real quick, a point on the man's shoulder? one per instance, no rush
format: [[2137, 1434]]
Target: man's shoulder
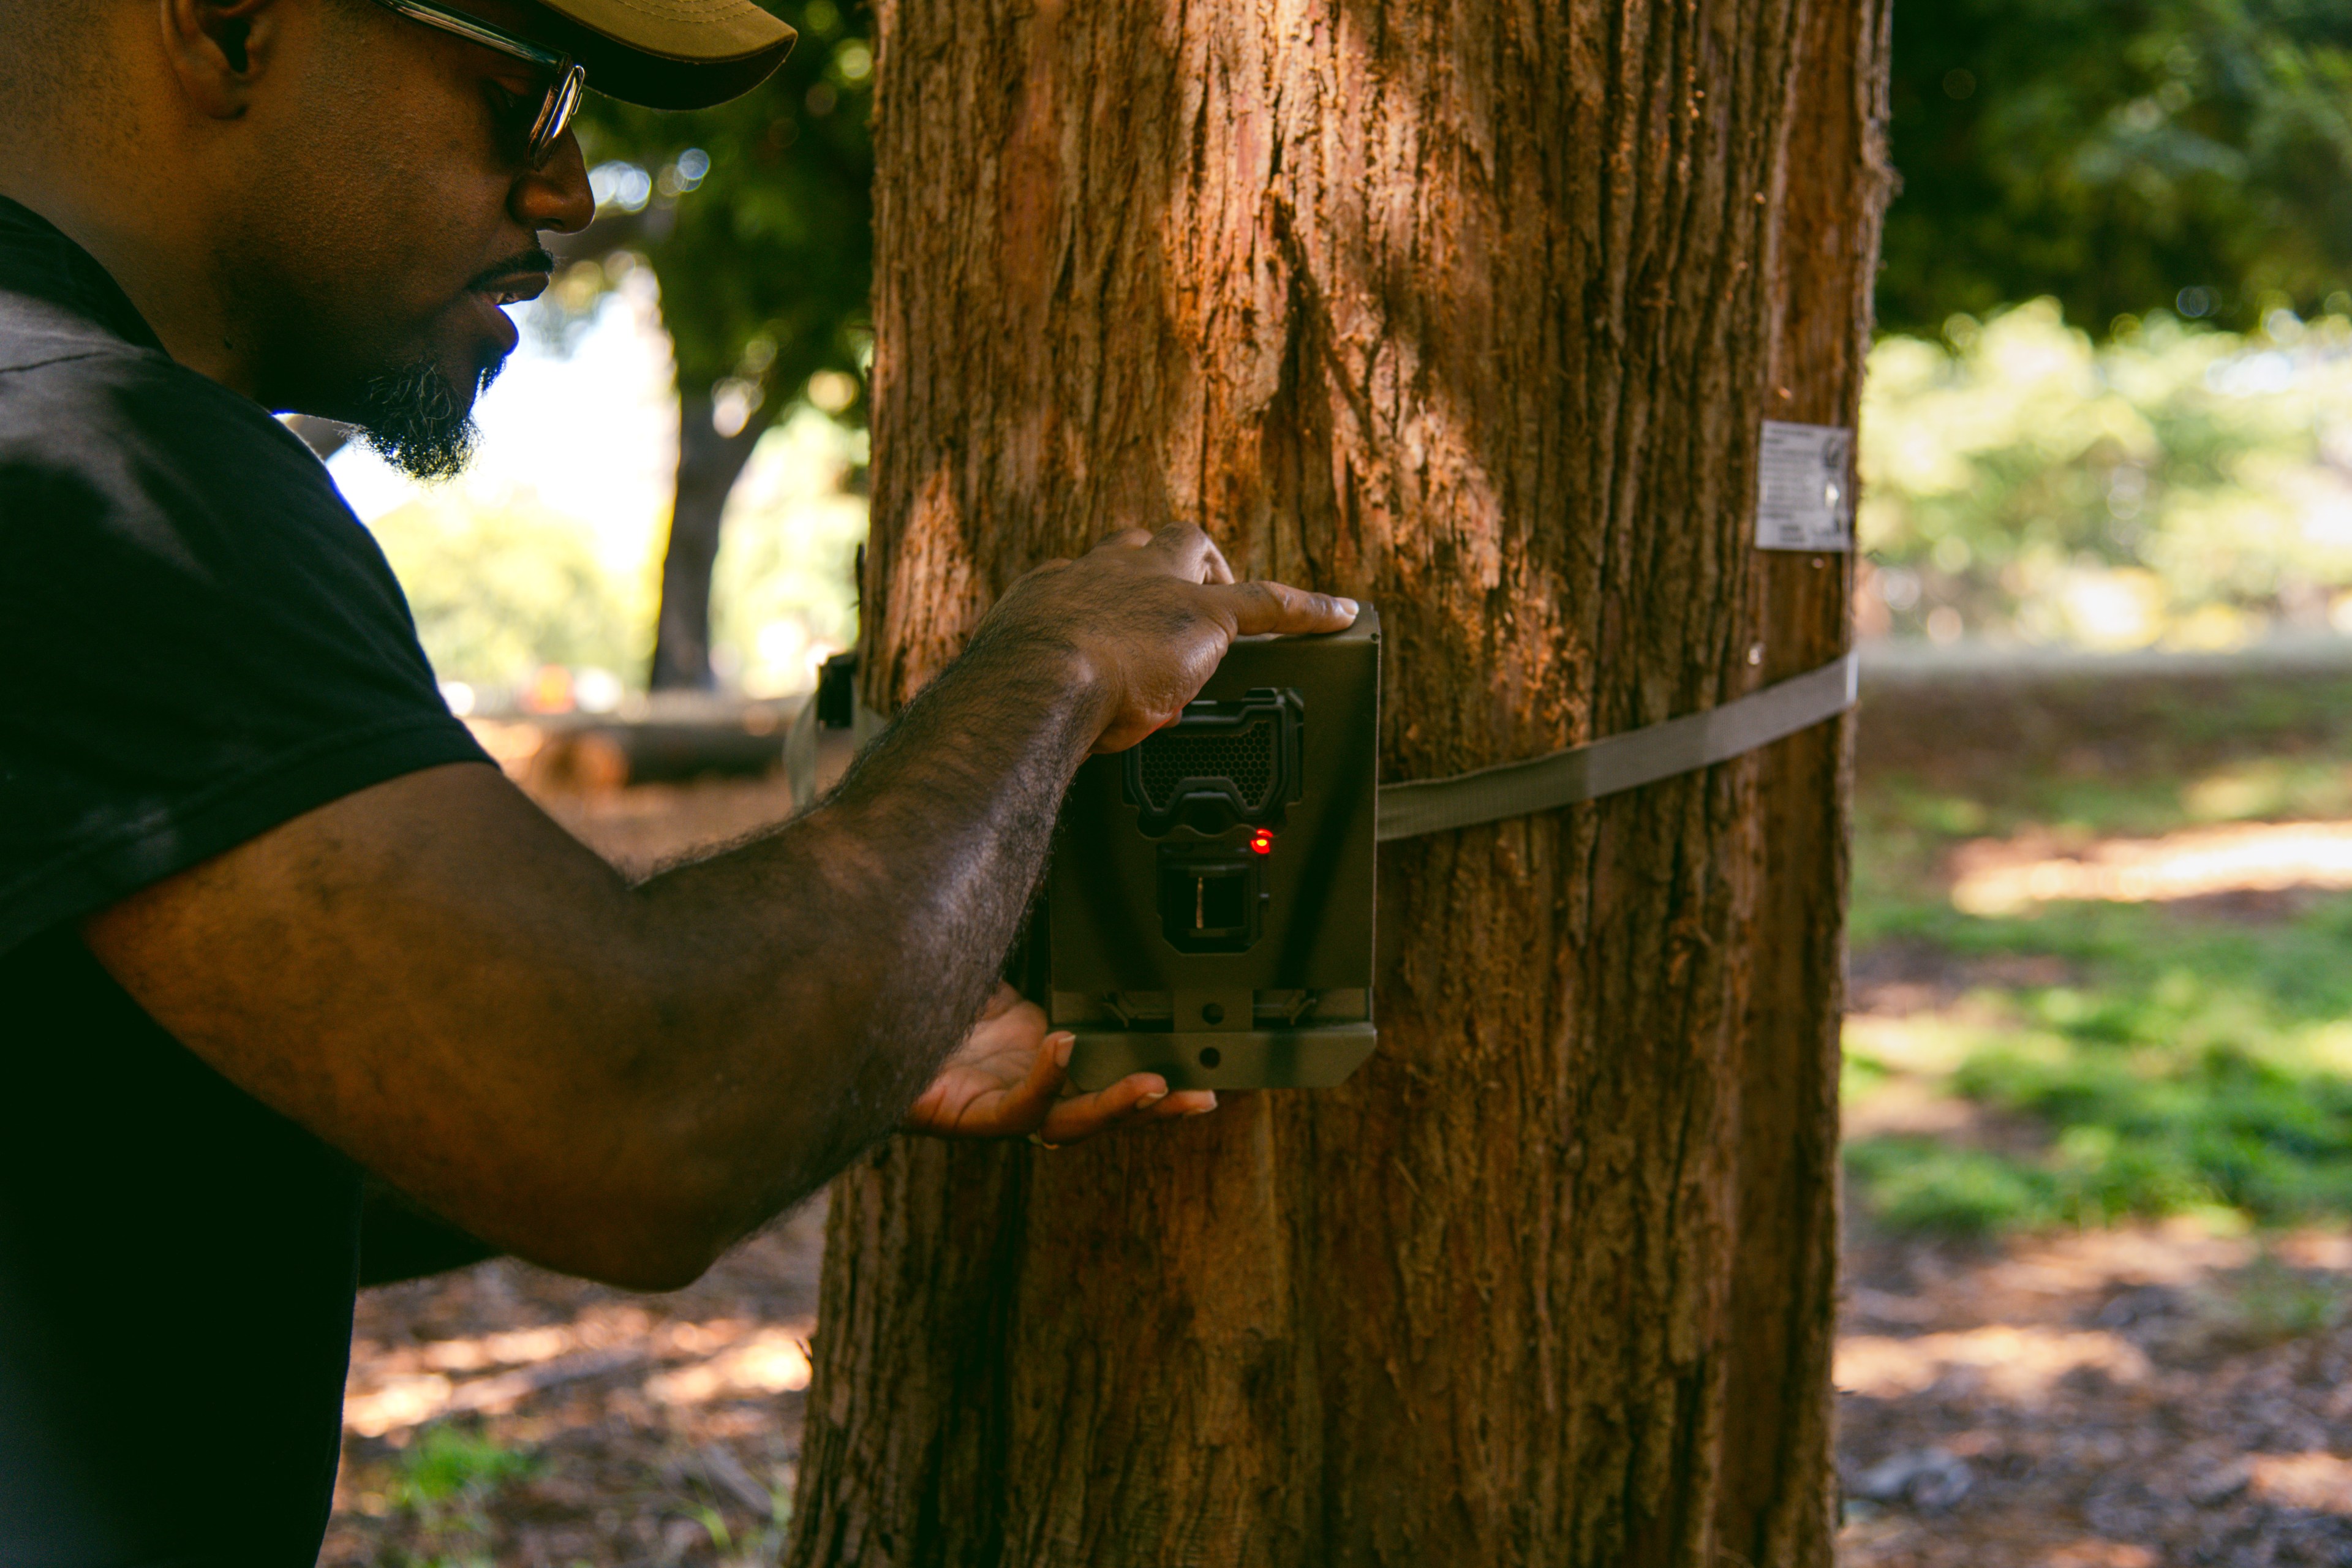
[[78, 405], [52, 343], [35, 333], [54, 366]]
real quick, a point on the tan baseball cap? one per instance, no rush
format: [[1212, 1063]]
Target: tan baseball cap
[[673, 54]]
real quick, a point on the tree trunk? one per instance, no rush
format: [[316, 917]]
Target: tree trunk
[[1472, 312], [708, 466]]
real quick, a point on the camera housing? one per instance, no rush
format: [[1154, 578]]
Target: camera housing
[[1208, 914]]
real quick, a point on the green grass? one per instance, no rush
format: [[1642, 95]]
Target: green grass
[[1917, 1184], [446, 1480], [2186, 1064], [2176, 1062]]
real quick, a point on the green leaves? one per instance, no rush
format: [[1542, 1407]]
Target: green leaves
[[2121, 155], [2174, 483], [498, 591], [757, 216]]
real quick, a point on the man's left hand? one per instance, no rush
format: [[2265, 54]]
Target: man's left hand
[[1006, 1080]]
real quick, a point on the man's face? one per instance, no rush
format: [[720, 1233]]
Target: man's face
[[387, 214]]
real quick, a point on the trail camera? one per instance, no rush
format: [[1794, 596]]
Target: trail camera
[[1209, 911]]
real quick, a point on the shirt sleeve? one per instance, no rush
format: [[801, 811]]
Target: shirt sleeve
[[199, 640]]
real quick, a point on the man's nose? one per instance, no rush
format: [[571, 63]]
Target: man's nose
[[555, 196]]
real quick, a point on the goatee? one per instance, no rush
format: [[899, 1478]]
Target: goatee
[[414, 422]]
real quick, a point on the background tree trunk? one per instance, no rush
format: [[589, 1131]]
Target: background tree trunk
[[708, 466], [1471, 311]]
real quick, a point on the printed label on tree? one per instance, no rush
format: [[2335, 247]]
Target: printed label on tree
[[1805, 486]]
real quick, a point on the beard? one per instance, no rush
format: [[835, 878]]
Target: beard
[[411, 419]]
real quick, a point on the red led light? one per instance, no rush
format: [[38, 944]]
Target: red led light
[[1261, 842]]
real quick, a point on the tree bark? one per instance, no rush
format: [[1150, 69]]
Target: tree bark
[[1473, 311], [708, 467]]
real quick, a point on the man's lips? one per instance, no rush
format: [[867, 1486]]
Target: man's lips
[[513, 289], [510, 282], [521, 277]]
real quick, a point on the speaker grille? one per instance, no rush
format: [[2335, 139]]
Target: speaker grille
[[1244, 756]]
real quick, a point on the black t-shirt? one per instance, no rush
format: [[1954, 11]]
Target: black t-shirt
[[198, 641]]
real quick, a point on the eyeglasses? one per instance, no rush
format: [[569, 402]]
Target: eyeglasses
[[567, 78]]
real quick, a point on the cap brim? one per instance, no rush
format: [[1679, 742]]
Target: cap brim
[[673, 54]]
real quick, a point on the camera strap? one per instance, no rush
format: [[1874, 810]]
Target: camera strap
[[1620, 762]]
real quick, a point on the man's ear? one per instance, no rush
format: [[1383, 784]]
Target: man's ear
[[219, 49]]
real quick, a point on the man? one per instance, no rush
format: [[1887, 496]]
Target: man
[[268, 917]]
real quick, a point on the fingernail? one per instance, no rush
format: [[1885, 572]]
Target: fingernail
[[1208, 1107], [1154, 1098], [1063, 1043], [1349, 605]]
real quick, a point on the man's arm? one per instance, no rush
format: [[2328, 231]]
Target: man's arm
[[620, 1081]]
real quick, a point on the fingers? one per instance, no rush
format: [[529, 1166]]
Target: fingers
[[1029, 1105], [1184, 1103], [1261, 606], [1138, 1098], [1204, 560], [1084, 1115], [1192, 553]]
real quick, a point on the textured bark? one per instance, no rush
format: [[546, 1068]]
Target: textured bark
[[1471, 311], [708, 467]]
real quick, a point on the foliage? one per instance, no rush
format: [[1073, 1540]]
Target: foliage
[[756, 216], [2175, 484], [451, 1463], [2113, 154], [446, 1480], [2113, 1060], [501, 587], [2186, 1064], [1913, 1183], [500, 590], [2120, 155], [784, 592]]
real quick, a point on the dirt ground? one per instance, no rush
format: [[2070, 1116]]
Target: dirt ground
[[600, 1427], [2118, 1399], [2125, 1398]]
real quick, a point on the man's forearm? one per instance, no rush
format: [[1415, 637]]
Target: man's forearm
[[854, 945], [618, 1081]]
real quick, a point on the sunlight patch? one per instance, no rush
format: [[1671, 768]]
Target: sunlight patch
[[2318, 1481], [773, 1360], [1997, 878], [677, 1363], [2008, 1361], [2094, 1553]]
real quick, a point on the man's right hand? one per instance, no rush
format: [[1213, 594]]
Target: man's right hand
[[1149, 616]]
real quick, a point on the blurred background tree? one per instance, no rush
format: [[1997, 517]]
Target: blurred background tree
[[2112, 399], [2155, 452], [756, 217], [2119, 156], [2023, 482]]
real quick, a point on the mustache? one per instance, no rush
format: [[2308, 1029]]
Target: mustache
[[536, 259]]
